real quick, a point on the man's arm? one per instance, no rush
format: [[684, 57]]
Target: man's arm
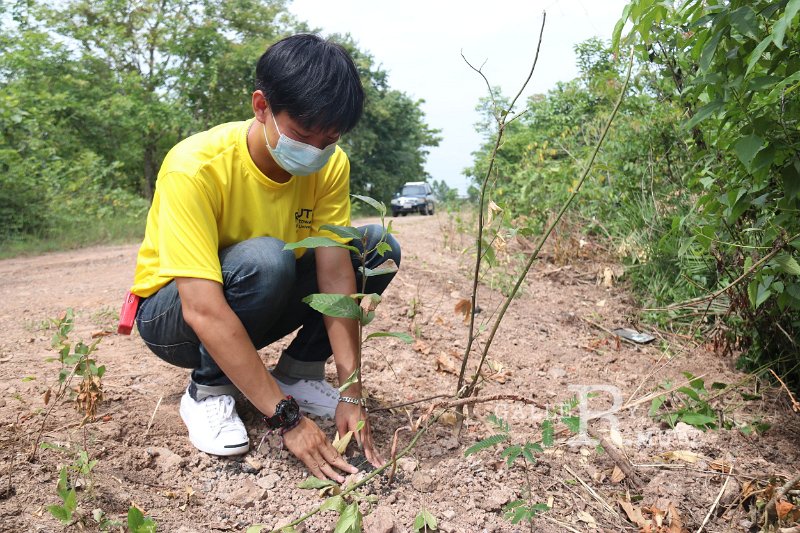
[[335, 276], [219, 329]]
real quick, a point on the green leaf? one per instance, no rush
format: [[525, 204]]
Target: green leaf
[[350, 520], [697, 419], [135, 518], [334, 503], [791, 181], [548, 434], [788, 264], [763, 294], [405, 337], [780, 27], [256, 528], [388, 267], [744, 20], [691, 393], [781, 85], [366, 317], [511, 453], [488, 442], [752, 292], [704, 112], [382, 248], [312, 482], [345, 232], [573, 423], [336, 305], [60, 513], [747, 147], [378, 206], [615, 35], [709, 50], [318, 242], [756, 54], [425, 522]]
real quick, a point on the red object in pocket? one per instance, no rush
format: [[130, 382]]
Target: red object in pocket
[[128, 314]]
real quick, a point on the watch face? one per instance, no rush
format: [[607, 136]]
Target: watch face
[[291, 411]]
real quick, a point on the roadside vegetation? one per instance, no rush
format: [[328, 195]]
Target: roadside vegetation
[[93, 96], [697, 187]]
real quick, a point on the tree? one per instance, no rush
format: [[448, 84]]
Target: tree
[[389, 145]]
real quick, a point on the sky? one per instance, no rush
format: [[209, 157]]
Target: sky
[[419, 43]]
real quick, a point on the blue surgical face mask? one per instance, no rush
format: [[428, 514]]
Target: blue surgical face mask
[[295, 157]]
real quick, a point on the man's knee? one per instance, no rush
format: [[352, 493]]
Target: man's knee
[[375, 233], [258, 268]]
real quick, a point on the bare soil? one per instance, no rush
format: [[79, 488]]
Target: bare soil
[[551, 339]]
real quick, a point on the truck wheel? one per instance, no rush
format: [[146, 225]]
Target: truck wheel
[[423, 210]]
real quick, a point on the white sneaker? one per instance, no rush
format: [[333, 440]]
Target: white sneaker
[[214, 427], [315, 397]]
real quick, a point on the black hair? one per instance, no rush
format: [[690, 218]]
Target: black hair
[[313, 80]]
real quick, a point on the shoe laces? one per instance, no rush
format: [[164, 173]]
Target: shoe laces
[[220, 411]]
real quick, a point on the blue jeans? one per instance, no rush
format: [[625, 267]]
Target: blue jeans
[[264, 285]]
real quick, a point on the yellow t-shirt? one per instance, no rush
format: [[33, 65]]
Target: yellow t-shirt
[[210, 194]]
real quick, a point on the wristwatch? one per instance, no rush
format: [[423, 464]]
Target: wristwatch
[[287, 415]]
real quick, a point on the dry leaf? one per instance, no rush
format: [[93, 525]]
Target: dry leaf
[[720, 466], [617, 475], [634, 514], [681, 455], [47, 396], [448, 418], [583, 516], [341, 443], [783, 508], [492, 211], [445, 363], [370, 302], [608, 278], [675, 522], [103, 333], [464, 307], [421, 347], [658, 515]]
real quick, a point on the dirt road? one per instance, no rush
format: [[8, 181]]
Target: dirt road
[[546, 344]]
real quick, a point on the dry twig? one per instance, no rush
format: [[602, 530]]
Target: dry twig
[[795, 405], [620, 460], [716, 501], [591, 491], [153, 416], [770, 513]]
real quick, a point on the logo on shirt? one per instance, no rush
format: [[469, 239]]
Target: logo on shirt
[[302, 219]]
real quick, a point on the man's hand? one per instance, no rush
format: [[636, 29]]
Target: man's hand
[[348, 416], [309, 444]]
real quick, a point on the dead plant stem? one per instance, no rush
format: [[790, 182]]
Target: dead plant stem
[[716, 502], [795, 405], [620, 460], [501, 125], [546, 235]]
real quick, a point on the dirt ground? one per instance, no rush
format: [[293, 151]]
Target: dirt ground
[[551, 341]]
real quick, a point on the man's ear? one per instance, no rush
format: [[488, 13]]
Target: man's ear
[[260, 106]]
